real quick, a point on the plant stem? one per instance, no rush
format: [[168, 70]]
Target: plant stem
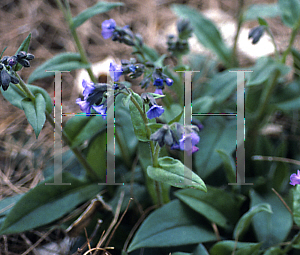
[[25, 89], [154, 152], [68, 17], [77, 153], [274, 43], [234, 59], [291, 42], [75, 150], [124, 151]]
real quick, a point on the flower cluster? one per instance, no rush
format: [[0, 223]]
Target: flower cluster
[[122, 35], [154, 110], [8, 66], [132, 68], [179, 45], [295, 178], [158, 78], [135, 70], [180, 137]]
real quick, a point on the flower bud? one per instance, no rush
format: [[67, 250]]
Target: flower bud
[[256, 33], [5, 79], [12, 61], [21, 54], [4, 60], [29, 56], [184, 29]]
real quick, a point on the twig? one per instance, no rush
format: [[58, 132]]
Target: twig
[[119, 222], [101, 241], [38, 242], [137, 224], [279, 159], [284, 203]]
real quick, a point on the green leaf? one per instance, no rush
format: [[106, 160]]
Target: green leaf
[[200, 250], [46, 203], [296, 205], [171, 111], [222, 86], [227, 248], [171, 225], [15, 96], [174, 173], [273, 251], [262, 22], [261, 10], [81, 128], [290, 12], [6, 205], [35, 112], [3, 52], [271, 228], [154, 126], [137, 120], [203, 104], [262, 70], [23, 47], [98, 8], [205, 31], [126, 100], [227, 203], [219, 134], [191, 198], [245, 221], [287, 98], [96, 154], [67, 61], [177, 118], [229, 166]]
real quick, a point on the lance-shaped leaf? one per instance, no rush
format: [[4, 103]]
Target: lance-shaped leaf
[[245, 221], [46, 203], [290, 12], [67, 61], [174, 173], [205, 31], [136, 118], [261, 10], [15, 96], [171, 225], [98, 8], [23, 47], [35, 112]]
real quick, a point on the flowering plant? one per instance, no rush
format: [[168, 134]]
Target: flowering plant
[[147, 146]]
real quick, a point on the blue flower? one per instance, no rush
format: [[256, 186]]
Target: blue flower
[[88, 88], [115, 71], [101, 109], [158, 91], [158, 82], [169, 81], [155, 111], [93, 94], [188, 142], [108, 27], [295, 178]]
